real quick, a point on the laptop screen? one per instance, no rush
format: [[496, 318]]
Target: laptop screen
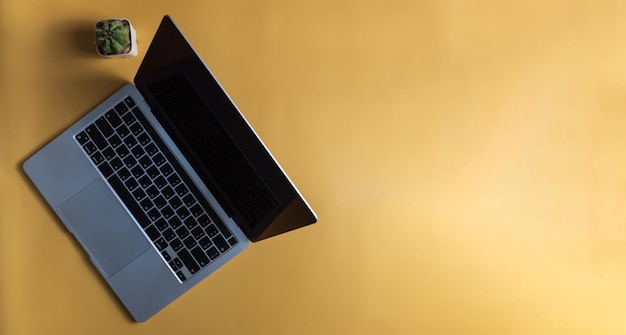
[[209, 142], [215, 138]]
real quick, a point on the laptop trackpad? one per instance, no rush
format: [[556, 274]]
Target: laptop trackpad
[[104, 227]]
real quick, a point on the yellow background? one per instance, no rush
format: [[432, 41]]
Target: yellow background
[[467, 160]]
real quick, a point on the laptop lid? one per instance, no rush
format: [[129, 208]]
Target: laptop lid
[[217, 140]]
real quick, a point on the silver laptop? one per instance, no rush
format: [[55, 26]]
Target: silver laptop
[[165, 181]]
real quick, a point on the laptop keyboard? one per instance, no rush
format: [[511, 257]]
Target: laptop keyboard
[[167, 205]]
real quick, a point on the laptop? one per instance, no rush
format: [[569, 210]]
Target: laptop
[[165, 181]]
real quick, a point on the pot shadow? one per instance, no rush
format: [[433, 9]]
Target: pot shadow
[[73, 38]]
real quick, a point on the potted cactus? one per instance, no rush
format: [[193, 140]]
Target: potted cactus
[[115, 38]]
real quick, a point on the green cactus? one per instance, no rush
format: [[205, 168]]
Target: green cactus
[[113, 37]]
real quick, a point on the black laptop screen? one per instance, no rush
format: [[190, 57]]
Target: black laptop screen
[[216, 139], [208, 142]]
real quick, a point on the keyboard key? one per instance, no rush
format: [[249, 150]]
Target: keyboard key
[[167, 212], [136, 112], [160, 182], [158, 159], [175, 202], [137, 171], [221, 243], [105, 169], [189, 200], [123, 173], [161, 224], [108, 153], [213, 253], [136, 129], [160, 243], [175, 222], [200, 256], [152, 192], [153, 172], [181, 190], [169, 234], [166, 256], [115, 141], [122, 151], [137, 151], [197, 233], [113, 119], [82, 138], [130, 161], [143, 139], [167, 170], [139, 194], [90, 148], [183, 213], [131, 184], [167, 192], [130, 141], [190, 222], [96, 137], [174, 179], [104, 126], [176, 244], [232, 241], [121, 108], [145, 204], [97, 158], [181, 276], [160, 202], [204, 220], [211, 230], [145, 182], [116, 163], [151, 149], [123, 131], [152, 232], [128, 118], [182, 232], [129, 102], [205, 243], [189, 242], [154, 214], [196, 210], [176, 264], [189, 262], [145, 162]]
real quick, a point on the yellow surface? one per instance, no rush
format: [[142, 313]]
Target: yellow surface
[[467, 160]]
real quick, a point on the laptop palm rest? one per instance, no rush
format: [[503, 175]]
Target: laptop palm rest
[[106, 230]]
